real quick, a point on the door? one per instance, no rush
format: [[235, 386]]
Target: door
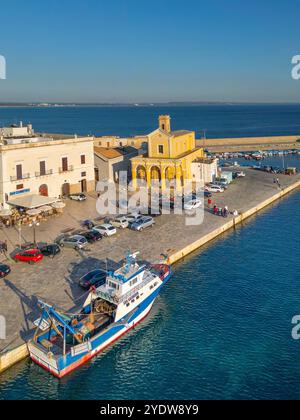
[[19, 172], [83, 186], [44, 190], [42, 168], [65, 190], [65, 164]]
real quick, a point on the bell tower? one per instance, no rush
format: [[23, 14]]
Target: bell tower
[[165, 123]]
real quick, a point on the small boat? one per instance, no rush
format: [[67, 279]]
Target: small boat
[[63, 342]]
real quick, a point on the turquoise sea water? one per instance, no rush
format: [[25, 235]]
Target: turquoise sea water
[[220, 329]]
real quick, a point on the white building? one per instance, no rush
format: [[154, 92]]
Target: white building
[[48, 165], [205, 170]]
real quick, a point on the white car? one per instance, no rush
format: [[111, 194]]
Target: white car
[[240, 174], [77, 197], [106, 230], [120, 222], [214, 189], [192, 205]]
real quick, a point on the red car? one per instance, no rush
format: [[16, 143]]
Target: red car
[[31, 256]]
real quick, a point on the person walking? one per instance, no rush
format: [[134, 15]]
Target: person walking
[[278, 183]]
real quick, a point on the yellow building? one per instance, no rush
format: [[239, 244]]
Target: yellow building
[[170, 156]]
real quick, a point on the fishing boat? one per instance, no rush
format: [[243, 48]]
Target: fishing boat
[[63, 342]]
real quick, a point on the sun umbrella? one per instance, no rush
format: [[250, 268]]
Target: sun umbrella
[[33, 212], [58, 205], [5, 213], [45, 209]]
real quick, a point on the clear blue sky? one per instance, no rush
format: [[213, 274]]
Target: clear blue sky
[[149, 50]]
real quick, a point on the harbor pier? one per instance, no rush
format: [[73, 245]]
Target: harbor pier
[[57, 281]]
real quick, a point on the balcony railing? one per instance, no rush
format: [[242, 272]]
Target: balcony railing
[[70, 168], [45, 173], [19, 178]]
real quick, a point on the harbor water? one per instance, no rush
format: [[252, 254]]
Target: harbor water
[[221, 329]]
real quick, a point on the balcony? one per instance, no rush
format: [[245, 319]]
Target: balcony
[[18, 178], [70, 168], [45, 173]]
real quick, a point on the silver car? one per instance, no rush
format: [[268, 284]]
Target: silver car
[[133, 218], [143, 223], [75, 242]]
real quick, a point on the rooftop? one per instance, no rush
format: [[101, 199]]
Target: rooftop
[[179, 133], [204, 160], [23, 135], [113, 153]]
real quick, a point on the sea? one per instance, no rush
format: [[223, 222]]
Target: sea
[[222, 328]]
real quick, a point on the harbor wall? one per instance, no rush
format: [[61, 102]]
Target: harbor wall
[[250, 140], [10, 358], [250, 144]]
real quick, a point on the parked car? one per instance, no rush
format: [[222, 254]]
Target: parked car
[[77, 197], [240, 174], [93, 278], [207, 194], [76, 242], [221, 184], [142, 223], [133, 217], [91, 236], [106, 230], [89, 224], [193, 204], [31, 256], [4, 270], [214, 189], [120, 222], [50, 250]]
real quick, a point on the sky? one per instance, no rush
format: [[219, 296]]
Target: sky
[[149, 50]]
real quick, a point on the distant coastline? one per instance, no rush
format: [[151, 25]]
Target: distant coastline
[[130, 104]]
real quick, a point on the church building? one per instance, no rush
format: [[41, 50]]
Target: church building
[[169, 158]]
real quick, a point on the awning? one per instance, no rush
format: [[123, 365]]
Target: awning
[[32, 201]]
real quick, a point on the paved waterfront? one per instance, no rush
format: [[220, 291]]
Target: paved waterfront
[[55, 280]]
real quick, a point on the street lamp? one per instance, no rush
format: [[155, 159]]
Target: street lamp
[[34, 225]]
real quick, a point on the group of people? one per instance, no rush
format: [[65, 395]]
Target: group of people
[[219, 211]]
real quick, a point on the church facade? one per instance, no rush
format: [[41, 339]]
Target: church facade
[[169, 158]]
